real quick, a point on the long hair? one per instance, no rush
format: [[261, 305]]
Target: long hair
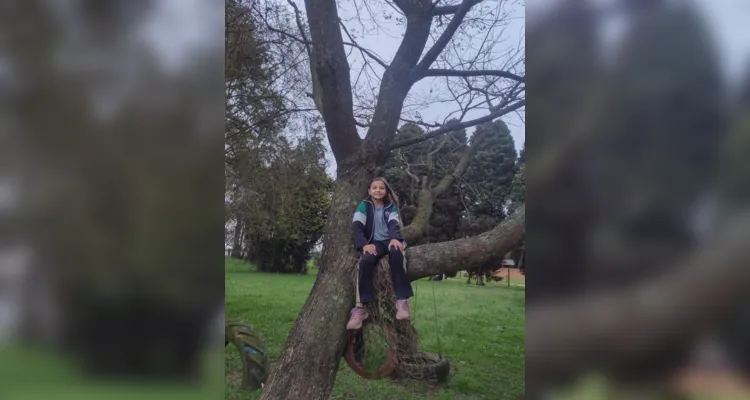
[[389, 193]]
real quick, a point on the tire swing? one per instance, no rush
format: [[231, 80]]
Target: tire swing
[[428, 367], [414, 364], [356, 351], [424, 366], [255, 366]]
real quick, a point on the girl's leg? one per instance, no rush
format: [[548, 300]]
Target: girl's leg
[[365, 274], [401, 283], [364, 290]]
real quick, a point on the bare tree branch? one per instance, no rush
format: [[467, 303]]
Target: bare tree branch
[[448, 10], [460, 168], [453, 72], [461, 125], [446, 36], [316, 95], [456, 255], [362, 49], [428, 195]]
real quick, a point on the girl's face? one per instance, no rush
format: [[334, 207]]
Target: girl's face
[[377, 190]]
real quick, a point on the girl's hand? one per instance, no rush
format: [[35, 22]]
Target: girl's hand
[[369, 249], [396, 243]]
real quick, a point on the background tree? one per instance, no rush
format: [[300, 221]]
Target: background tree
[[486, 187], [277, 192], [295, 202], [488, 180]]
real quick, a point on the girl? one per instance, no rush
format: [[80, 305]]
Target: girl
[[377, 232]]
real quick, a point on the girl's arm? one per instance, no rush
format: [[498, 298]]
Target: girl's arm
[[358, 226], [394, 228]]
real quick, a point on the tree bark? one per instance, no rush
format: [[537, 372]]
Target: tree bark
[[418, 225], [462, 254], [237, 240], [331, 70], [310, 359]]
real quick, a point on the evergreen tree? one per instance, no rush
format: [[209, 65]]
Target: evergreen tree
[[492, 169], [278, 193]]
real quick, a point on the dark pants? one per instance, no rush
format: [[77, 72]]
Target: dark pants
[[368, 263]]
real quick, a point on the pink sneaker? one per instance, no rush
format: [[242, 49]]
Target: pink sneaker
[[358, 316], [402, 310]]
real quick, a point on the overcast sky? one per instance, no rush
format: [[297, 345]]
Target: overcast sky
[[184, 23]]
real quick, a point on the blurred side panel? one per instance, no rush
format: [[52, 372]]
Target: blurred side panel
[[637, 199], [111, 206]]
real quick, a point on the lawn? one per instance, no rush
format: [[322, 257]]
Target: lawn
[[481, 332], [35, 374]]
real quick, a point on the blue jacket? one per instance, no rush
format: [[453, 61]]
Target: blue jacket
[[362, 223]]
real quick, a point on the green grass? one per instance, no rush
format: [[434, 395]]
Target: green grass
[[36, 374], [481, 332]]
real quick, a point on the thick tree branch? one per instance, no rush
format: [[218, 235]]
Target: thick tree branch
[[428, 195], [480, 72], [395, 85], [462, 254], [566, 338], [410, 174], [403, 5], [461, 125], [448, 10], [411, 121], [331, 69], [446, 36], [460, 168]]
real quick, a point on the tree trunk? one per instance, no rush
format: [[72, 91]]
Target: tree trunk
[[247, 249], [237, 240], [310, 359]]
